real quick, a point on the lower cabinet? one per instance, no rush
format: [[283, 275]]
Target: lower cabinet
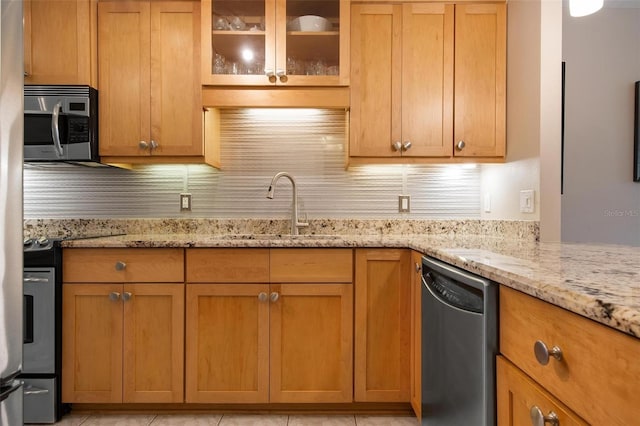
[[116, 340], [279, 332], [521, 401], [382, 325], [561, 360], [122, 327]]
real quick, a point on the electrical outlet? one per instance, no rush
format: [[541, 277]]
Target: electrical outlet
[[404, 203], [185, 202]]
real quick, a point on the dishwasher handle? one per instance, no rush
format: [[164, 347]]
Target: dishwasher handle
[[453, 293]]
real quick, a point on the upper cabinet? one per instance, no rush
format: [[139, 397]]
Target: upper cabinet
[[427, 82], [480, 80], [275, 42], [60, 42], [150, 100]]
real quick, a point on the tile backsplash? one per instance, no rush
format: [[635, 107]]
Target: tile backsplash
[[255, 144]]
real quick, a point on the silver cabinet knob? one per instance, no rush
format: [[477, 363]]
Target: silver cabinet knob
[[262, 296], [396, 145], [282, 76], [127, 296], [539, 419], [406, 145], [460, 145], [143, 145], [272, 77], [120, 266], [114, 295], [275, 296], [542, 352], [418, 267], [153, 145]]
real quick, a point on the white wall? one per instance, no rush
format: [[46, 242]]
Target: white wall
[[533, 119], [601, 203]]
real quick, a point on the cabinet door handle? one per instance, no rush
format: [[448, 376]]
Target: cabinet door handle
[[114, 296], [120, 266], [127, 296], [262, 296], [153, 145], [396, 145], [406, 145], [460, 145], [539, 419], [282, 76], [143, 145], [272, 77], [418, 267], [542, 352], [275, 296]]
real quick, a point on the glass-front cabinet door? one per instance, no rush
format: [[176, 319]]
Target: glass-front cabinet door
[[275, 42]]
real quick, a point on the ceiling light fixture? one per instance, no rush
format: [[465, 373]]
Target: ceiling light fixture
[[579, 8]]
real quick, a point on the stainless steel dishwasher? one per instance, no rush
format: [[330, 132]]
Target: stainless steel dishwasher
[[459, 346]]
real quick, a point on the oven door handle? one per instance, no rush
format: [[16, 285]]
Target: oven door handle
[[28, 319], [33, 390], [55, 129]]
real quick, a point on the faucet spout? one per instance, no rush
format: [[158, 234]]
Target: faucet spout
[[295, 222]]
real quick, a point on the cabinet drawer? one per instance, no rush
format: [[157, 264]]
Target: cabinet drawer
[[140, 265], [227, 265], [304, 265], [517, 394], [599, 374]]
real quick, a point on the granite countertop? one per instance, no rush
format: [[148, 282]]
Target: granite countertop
[[601, 282]]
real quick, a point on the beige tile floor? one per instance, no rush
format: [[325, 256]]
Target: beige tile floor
[[232, 420]]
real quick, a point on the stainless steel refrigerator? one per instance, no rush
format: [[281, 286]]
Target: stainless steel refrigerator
[[11, 152]]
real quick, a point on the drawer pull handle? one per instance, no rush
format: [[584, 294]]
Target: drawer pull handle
[[262, 296], [539, 419], [543, 353], [127, 296], [114, 295], [120, 266], [275, 296]]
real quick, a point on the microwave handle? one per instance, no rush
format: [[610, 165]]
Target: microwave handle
[[55, 129]]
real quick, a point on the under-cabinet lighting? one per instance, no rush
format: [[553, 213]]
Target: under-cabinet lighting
[[579, 8], [282, 114]]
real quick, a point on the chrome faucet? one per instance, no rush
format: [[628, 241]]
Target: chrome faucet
[[295, 223]]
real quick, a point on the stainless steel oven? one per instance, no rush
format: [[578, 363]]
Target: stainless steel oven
[[60, 123], [42, 335]]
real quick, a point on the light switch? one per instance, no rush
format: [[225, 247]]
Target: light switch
[[527, 201]]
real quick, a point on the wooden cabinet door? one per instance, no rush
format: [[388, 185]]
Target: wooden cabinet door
[[153, 342], [227, 343], [176, 106], [427, 79], [517, 394], [311, 343], [382, 325], [376, 90], [92, 343], [480, 80], [124, 64], [416, 333], [60, 42]]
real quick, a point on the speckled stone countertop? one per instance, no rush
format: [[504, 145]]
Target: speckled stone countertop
[[601, 282]]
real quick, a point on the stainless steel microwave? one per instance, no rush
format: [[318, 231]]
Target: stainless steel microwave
[[60, 124]]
